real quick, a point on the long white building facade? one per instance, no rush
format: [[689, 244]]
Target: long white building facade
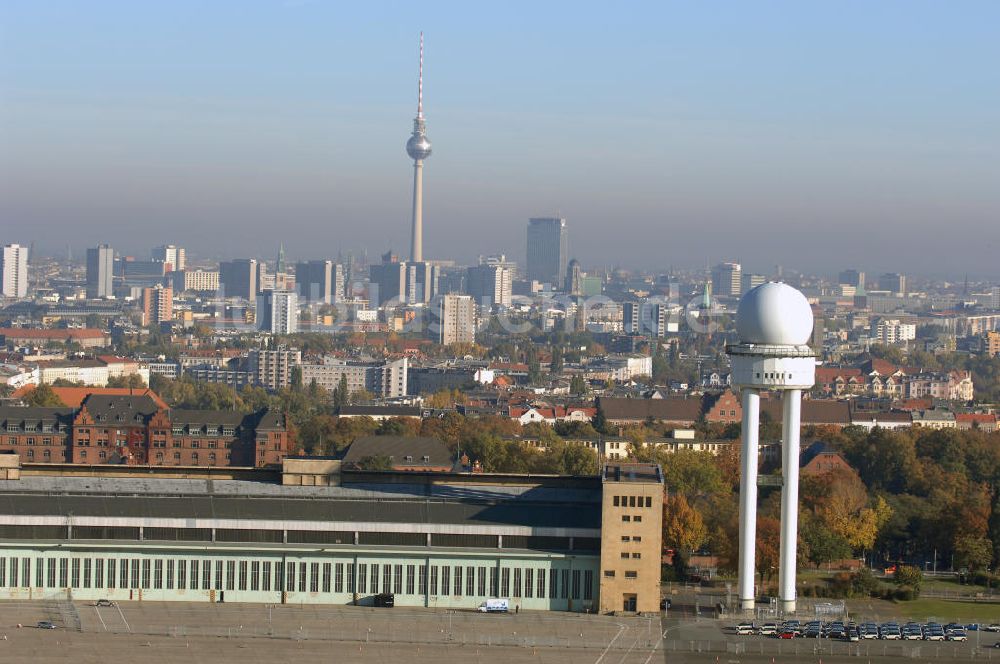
[[431, 546]]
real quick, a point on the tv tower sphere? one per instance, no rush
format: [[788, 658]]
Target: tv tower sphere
[[418, 147]]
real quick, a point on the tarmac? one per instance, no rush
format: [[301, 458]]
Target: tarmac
[[248, 633]]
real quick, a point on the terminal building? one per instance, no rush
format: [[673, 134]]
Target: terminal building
[[444, 540]]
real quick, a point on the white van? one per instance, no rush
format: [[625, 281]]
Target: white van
[[494, 606]]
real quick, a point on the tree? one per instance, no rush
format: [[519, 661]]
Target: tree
[[683, 527], [534, 368], [768, 533], [691, 473], [341, 395], [823, 545], [577, 385], [375, 462], [976, 553], [556, 364], [600, 421], [296, 378], [316, 435], [907, 575], [133, 381], [43, 396]]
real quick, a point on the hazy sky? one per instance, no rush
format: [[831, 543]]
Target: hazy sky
[[815, 134]]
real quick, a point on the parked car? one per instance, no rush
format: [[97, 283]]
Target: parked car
[[105, 602], [992, 627], [745, 629], [769, 629], [45, 624], [933, 632], [386, 600], [957, 635], [787, 634]]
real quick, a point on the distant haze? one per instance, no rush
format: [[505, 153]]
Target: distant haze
[[816, 135]]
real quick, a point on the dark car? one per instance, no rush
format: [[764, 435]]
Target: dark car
[[104, 602], [385, 600], [665, 604], [45, 624]]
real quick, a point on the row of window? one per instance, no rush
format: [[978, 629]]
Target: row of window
[[46, 454], [31, 441], [268, 576], [629, 574], [636, 518], [633, 501], [15, 428], [201, 431]]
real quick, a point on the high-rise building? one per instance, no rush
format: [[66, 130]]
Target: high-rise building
[[173, 256], [893, 282], [548, 246], [195, 280], [157, 305], [14, 271], [388, 281], [490, 282], [574, 278], [340, 283], [423, 282], [272, 368], [100, 271], [751, 281], [456, 319], [852, 278], [995, 298], [238, 278], [649, 317], [727, 279], [315, 281], [386, 378], [278, 312], [419, 148], [894, 331]]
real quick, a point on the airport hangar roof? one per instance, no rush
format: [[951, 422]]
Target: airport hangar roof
[[221, 501]]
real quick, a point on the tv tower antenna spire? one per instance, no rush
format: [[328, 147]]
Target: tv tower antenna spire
[[420, 80]]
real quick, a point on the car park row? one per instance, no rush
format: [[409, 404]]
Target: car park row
[[853, 631]]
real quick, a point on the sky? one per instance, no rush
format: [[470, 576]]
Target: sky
[[817, 135]]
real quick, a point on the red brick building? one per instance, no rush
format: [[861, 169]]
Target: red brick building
[[136, 430]]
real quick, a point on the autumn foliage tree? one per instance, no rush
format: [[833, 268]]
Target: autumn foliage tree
[[683, 528]]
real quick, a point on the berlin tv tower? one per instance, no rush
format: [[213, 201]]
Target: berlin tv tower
[[419, 148]]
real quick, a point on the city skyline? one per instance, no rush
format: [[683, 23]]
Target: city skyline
[[738, 126]]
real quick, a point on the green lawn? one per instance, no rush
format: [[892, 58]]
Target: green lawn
[[941, 610]]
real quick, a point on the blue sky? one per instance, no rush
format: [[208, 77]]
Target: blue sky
[[817, 135]]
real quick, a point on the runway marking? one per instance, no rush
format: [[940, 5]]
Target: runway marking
[[621, 628], [656, 645], [103, 624], [122, 614]]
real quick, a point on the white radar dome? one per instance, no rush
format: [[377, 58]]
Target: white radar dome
[[774, 313]]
